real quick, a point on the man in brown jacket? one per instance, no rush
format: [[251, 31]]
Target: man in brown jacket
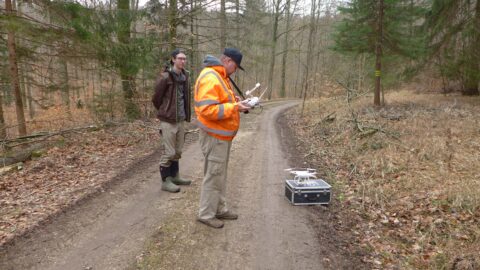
[[172, 100]]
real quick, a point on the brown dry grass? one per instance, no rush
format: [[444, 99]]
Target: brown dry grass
[[409, 170]]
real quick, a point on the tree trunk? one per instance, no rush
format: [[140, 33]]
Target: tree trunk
[[24, 74], [129, 89], [12, 60], [128, 79], [23, 87], [134, 5], [473, 67], [378, 54], [28, 87], [318, 38], [65, 84], [285, 53], [76, 93], [192, 50], [223, 26], [361, 63], [3, 126], [197, 41], [276, 16], [92, 76], [309, 50], [238, 23], [172, 24], [298, 87], [299, 67]]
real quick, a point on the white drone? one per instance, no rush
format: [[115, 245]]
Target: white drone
[[302, 174], [251, 100]]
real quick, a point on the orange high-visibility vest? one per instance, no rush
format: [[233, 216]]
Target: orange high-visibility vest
[[215, 105]]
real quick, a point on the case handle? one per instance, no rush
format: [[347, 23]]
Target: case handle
[[312, 198]]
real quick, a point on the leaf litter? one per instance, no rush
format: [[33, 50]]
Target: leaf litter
[[77, 165], [407, 172]]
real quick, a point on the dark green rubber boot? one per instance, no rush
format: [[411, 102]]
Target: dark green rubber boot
[[167, 180], [169, 186], [176, 179]]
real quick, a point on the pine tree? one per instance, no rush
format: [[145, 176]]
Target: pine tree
[[107, 35], [128, 71], [380, 28], [454, 27], [172, 23]]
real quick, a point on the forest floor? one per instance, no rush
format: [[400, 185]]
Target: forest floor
[[405, 193], [406, 175]]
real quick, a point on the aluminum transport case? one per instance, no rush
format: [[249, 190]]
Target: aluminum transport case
[[307, 192]]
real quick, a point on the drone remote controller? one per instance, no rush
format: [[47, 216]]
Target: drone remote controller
[[252, 102]]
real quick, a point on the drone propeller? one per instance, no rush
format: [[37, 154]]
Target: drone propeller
[[253, 89], [264, 91]]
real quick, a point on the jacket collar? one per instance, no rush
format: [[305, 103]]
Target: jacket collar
[[214, 63], [169, 68]]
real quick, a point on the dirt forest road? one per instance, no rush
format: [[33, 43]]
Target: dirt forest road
[[133, 224]]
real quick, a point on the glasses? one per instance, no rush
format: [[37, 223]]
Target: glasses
[[182, 58]]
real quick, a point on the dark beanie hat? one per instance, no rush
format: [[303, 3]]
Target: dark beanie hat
[[235, 55]]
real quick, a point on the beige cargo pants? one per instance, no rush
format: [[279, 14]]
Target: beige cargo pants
[[173, 136], [212, 197]]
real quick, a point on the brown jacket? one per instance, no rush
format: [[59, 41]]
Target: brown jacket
[[165, 97]]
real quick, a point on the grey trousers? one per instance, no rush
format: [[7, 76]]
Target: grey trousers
[[173, 136], [212, 197]]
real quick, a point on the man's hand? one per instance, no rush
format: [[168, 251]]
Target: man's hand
[[243, 107], [238, 98]]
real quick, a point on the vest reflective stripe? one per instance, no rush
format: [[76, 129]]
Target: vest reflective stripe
[[216, 131], [221, 112], [206, 102], [219, 79]]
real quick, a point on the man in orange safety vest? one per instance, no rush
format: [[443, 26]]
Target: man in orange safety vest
[[218, 118]]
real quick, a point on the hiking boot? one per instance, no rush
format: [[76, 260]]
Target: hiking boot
[[169, 186], [212, 222], [227, 215]]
